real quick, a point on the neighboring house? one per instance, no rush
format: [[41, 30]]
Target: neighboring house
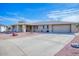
[[3, 28], [46, 26]]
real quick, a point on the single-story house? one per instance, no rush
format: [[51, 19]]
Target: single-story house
[[46, 26]]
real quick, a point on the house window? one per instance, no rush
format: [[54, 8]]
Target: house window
[[47, 27], [37, 27], [52, 28], [43, 26]]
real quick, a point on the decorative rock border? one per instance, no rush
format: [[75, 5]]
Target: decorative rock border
[[75, 45]]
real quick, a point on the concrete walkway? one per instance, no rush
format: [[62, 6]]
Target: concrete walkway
[[40, 45]]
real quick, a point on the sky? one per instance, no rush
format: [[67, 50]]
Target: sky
[[11, 13]]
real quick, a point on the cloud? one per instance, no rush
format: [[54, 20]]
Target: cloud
[[74, 18], [17, 17], [70, 15], [13, 17], [14, 20], [3, 18]]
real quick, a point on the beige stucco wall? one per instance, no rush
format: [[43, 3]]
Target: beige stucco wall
[[45, 28], [34, 29], [40, 28], [73, 28], [50, 28], [24, 28]]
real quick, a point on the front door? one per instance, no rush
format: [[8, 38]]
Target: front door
[[28, 28]]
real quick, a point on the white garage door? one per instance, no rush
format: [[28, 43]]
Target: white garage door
[[61, 28]]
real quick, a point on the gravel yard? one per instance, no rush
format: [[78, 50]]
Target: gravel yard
[[4, 36], [68, 50]]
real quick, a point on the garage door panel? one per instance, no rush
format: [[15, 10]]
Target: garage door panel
[[61, 28]]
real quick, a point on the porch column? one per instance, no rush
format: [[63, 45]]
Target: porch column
[[39, 28], [24, 28], [32, 29], [11, 28], [50, 28], [17, 28]]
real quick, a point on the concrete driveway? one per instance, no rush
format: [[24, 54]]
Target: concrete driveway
[[38, 45]]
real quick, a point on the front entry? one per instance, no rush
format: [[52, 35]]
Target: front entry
[[28, 28]]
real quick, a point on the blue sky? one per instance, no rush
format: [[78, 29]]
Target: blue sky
[[10, 13]]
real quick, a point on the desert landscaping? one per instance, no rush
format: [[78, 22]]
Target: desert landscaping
[[68, 50], [4, 36]]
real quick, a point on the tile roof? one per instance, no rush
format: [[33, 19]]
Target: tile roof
[[53, 22], [47, 22]]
